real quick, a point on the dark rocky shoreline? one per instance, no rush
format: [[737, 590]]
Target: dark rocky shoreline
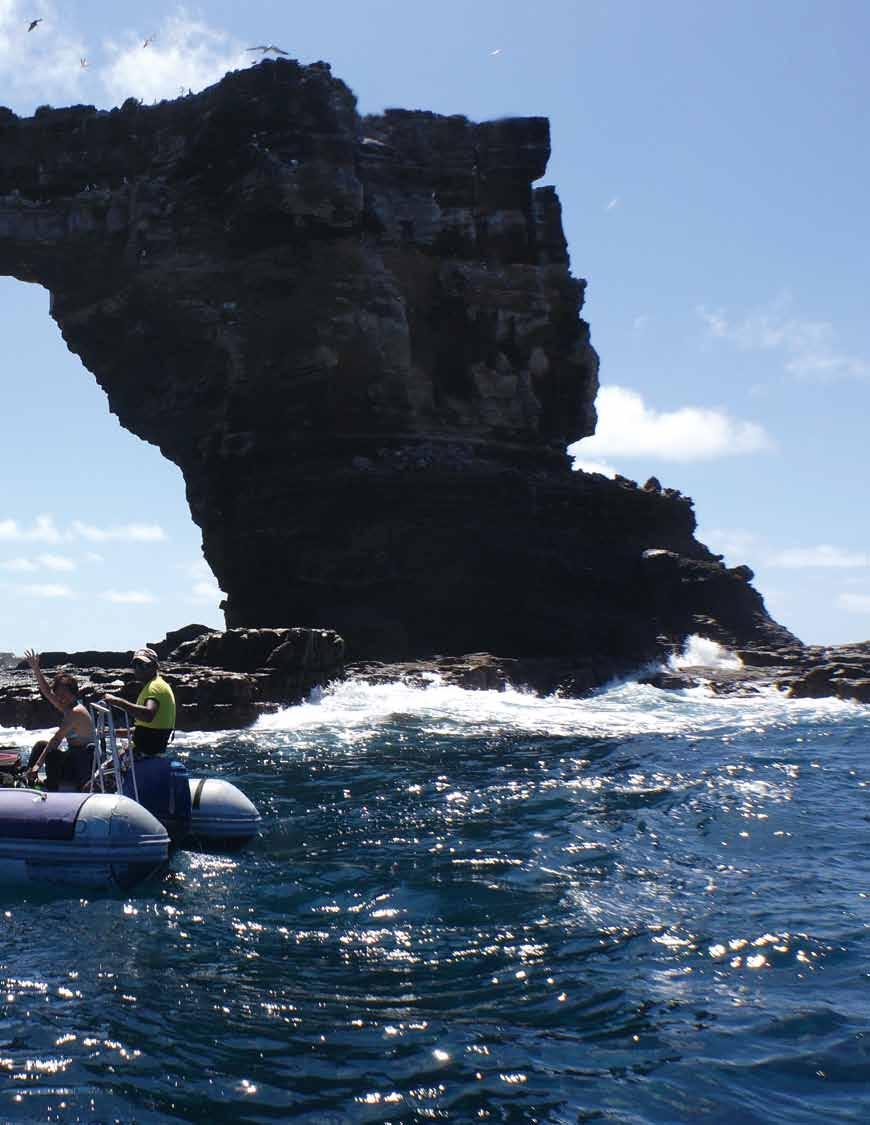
[[221, 680], [227, 680], [803, 671]]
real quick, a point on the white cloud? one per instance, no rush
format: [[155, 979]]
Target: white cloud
[[43, 62], [205, 587], [46, 64], [206, 591], [716, 323], [809, 347], [739, 545], [55, 562], [128, 532], [128, 597], [186, 53], [826, 365], [627, 427], [854, 603], [46, 562], [19, 565], [736, 543], [594, 467], [197, 569], [824, 555], [46, 590], [43, 529]]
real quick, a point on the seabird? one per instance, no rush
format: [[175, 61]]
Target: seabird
[[149, 40], [267, 48], [83, 63], [33, 23]]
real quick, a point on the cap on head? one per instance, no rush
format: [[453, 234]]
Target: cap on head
[[145, 656]]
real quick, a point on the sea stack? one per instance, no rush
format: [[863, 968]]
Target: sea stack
[[360, 340]]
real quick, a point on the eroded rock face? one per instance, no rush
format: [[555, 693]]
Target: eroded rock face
[[221, 680], [360, 340]]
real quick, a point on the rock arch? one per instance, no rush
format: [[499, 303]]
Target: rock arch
[[360, 341]]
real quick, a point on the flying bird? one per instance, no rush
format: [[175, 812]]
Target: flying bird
[[266, 49], [149, 40], [83, 63], [33, 23]]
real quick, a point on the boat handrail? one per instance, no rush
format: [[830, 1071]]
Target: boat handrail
[[107, 739]]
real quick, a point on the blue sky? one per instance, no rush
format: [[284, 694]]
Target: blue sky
[[712, 165]]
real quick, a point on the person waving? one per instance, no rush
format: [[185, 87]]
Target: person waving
[[70, 768]]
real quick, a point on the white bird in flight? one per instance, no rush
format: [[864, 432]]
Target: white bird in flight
[[266, 48]]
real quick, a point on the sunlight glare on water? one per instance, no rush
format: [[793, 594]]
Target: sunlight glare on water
[[641, 906]]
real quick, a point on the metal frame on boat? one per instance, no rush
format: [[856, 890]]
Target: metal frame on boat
[[109, 836]]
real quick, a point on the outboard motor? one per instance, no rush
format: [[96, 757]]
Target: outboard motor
[[164, 791]]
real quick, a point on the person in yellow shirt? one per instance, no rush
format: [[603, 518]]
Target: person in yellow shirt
[[153, 713]]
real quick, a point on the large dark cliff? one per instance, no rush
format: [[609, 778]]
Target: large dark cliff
[[360, 340]]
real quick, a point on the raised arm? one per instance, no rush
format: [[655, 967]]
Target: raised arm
[[42, 683]]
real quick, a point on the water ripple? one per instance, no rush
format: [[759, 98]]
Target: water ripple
[[640, 907]]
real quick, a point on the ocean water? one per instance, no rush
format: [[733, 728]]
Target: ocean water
[[638, 907]]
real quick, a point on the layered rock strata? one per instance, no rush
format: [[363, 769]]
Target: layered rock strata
[[360, 340], [221, 680]]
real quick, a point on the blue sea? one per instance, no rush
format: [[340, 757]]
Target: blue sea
[[637, 907]]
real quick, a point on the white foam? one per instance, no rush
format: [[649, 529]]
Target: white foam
[[354, 710], [17, 738], [702, 652]]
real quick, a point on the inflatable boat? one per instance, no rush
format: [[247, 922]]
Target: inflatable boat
[[80, 839], [121, 830], [220, 814], [197, 812]]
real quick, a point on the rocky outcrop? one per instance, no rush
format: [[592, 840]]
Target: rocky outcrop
[[360, 340], [248, 673], [842, 671], [801, 671], [227, 680], [481, 671], [176, 637]]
